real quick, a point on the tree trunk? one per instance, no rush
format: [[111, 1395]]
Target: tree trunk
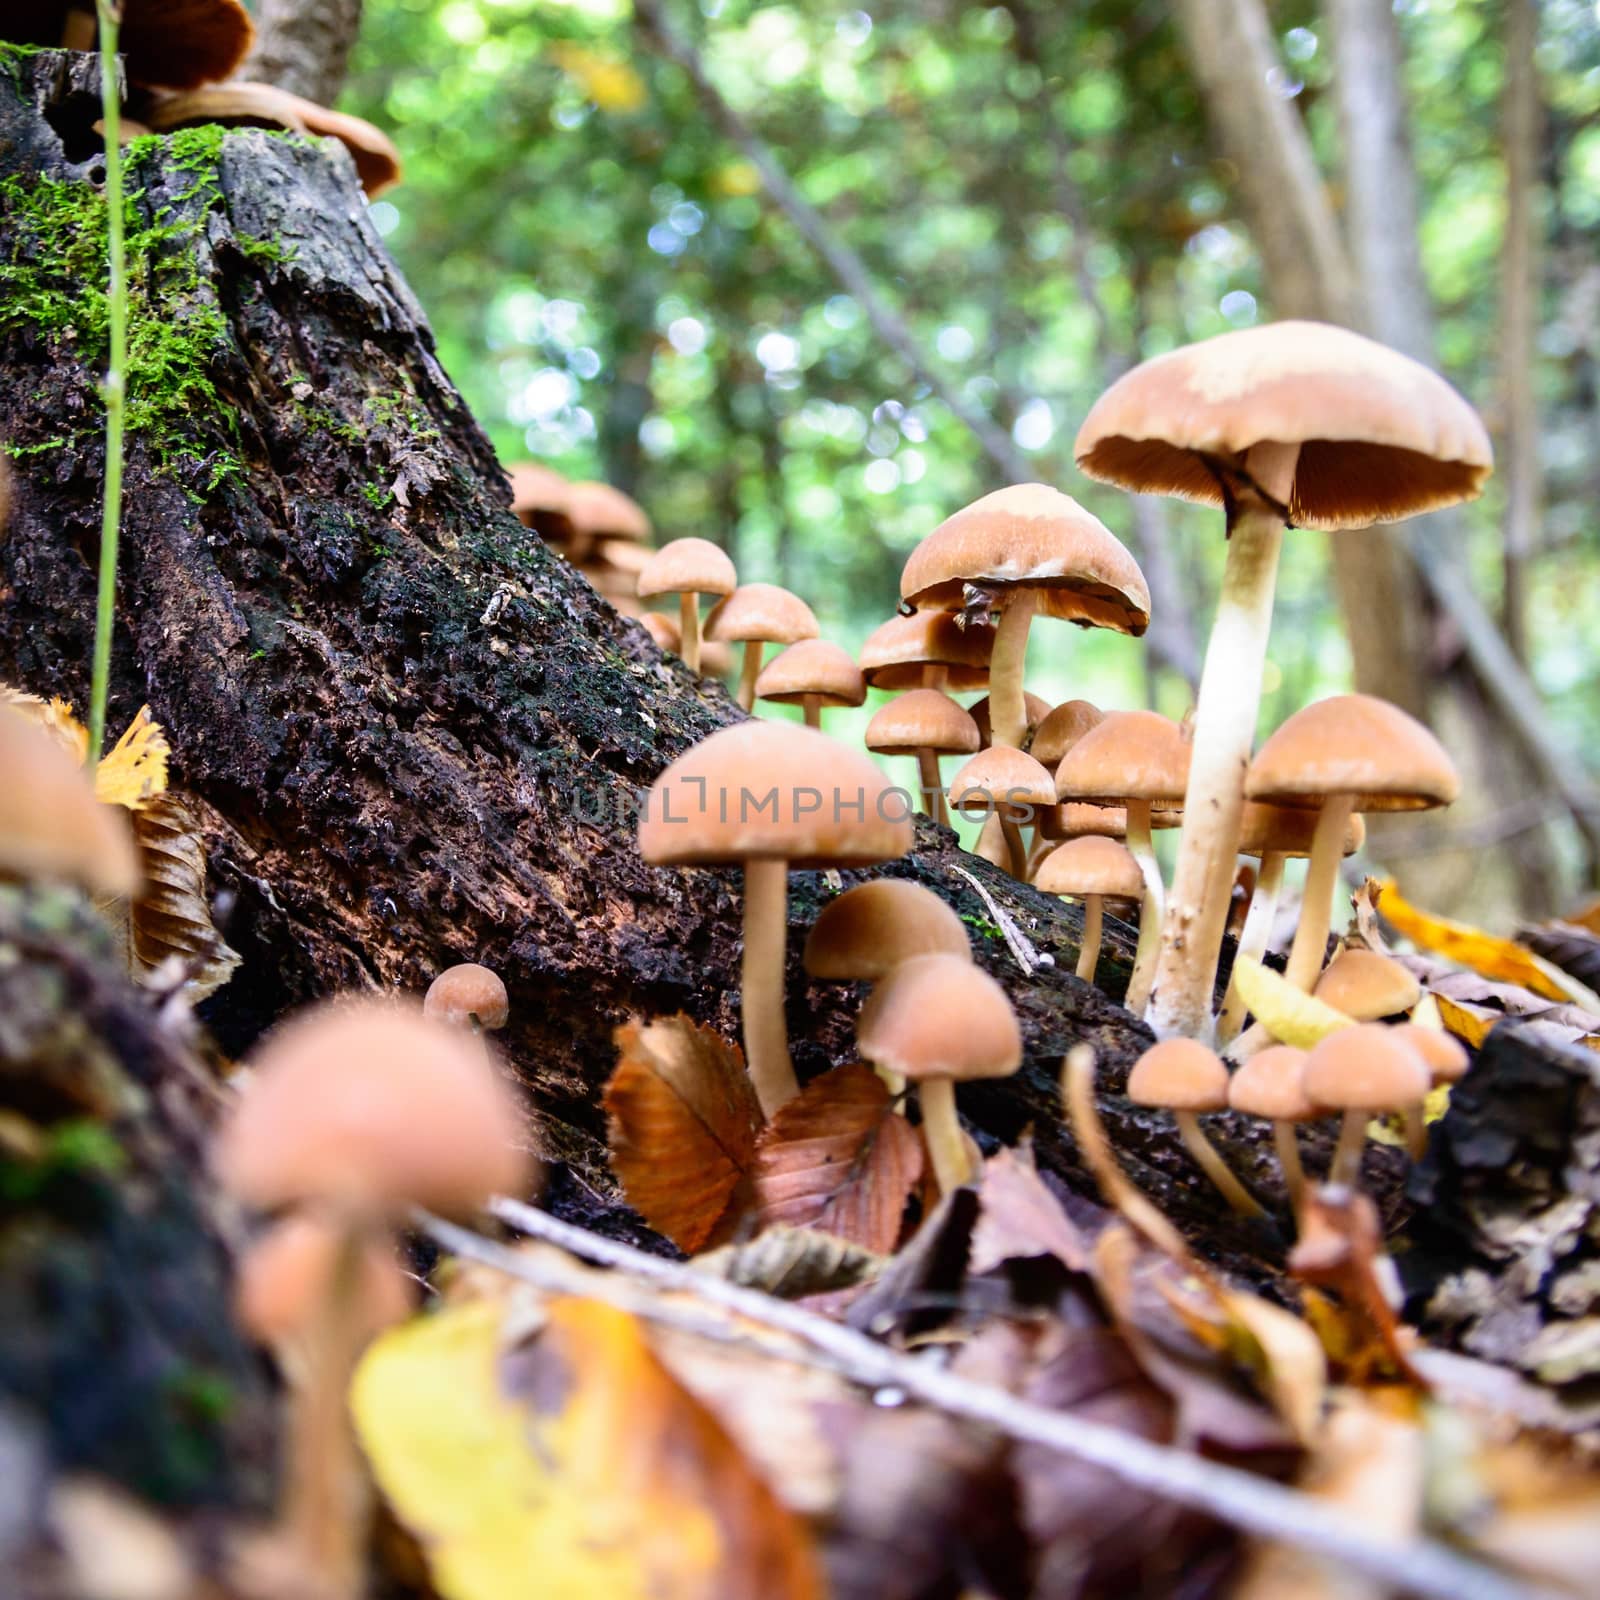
[[303, 46]]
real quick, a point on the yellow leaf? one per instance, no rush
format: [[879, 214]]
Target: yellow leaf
[[608, 80], [1286, 1357], [1470, 1024], [571, 1467], [134, 771], [1503, 960], [1287, 1013]]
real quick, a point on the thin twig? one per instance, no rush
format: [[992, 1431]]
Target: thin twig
[[1017, 942], [1254, 1505]]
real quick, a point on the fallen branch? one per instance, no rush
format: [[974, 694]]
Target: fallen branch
[[1254, 1505]]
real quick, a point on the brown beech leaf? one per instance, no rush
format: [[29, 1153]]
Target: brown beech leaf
[[172, 915], [1022, 1218], [681, 1119], [839, 1159]]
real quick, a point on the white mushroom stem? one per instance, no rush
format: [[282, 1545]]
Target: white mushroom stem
[[1016, 846], [1254, 940], [1143, 850], [813, 711], [1008, 715], [941, 1128], [766, 1037], [933, 804], [1345, 1167], [1214, 1167], [1093, 922], [1287, 1144], [1322, 881], [749, 672], [1224, 728], [689, 627]]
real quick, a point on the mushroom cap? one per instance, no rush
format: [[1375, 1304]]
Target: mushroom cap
[[812, 667], [761, 611], [1358, 745], [366, 1105], [461, 993], [376, 157], [922, 719], [716, 659], [1289, 830], [540, 494], [623, 555], [180, 44], [1442, 1053], [614, 582], [687, 566], [1034, 712], [1366, 985], [665, 630], [1062, 729], [1077, 819], [601, 512], [287, 1274], [1365, 1068], [939, 1016], [773, 791], [1271, 1085], [1179, 1075], [51, 824], [1031, 536], [1002, 779], [1130, 755], [869, 930], [1381, 437], [897, 651], [1090, 865]]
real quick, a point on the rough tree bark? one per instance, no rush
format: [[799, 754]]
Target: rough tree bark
[[303, 46]]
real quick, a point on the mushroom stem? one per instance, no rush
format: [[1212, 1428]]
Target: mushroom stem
[[1345, 1167], [1143, 850], [1089, 951], [766, 1037], [1254, 940], [1214, 1167], [1416, 1132], [1224, 727], [990, 844], [1294, 1174], [932, 787], [689, 626], [749, 672], [1322, 879], [78, 29], [813, 710], [941, 1128], [1008, 716], [1016, 846], [892, 1081]]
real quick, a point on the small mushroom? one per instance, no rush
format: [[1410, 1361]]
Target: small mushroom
[[1362, 1071], [1025, 549], [468, 996], [1446, 1060], [1271, 1085], [1013, 787], [1184, 1077], [1093, 869], [763, 795], [928, 650], [755, 615], [1034, 711], [597, 511], [867, 931], [1056, 733], [925, 723], [812, 674], [687, 568], [937, 1020], [1366, 985]]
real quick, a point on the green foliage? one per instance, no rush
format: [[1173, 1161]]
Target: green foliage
[[78, 1148]]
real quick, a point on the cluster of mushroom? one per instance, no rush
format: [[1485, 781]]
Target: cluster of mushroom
[[180, 55]]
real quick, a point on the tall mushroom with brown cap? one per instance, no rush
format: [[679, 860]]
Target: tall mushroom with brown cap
[[1093, 869], [1139, 760], [468, 996], [1184, 1077], [928, 650], [1351, 752], [1013, 787], [765, 796], [1274, 835], [812, 674], [1367, 985], [1362, 1072], [173, 44], [867, 931], [927, 724], [1019, 551], [1293, 424], [51, 824], [756, 615], [688, 568], [1034, 711], [937, 1020], [1271, 1084]]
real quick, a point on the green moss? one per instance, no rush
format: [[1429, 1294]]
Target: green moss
[[77, 1148], [379, 498], [982, 925]]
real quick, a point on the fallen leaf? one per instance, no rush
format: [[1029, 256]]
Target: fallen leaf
[[54, 716], [838, 1158], [1020, 1217], [1575, 950], [171, 918], [575, 1463], [1289, 1014], [1493, 957], [791, 1263], [681, 1119], [1470, 1024]]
